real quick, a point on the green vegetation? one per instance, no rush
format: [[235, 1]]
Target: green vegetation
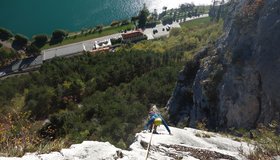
[[112, 91], [5, 34], [219, 10], [143, 15], [6, 55], [192, 36], [268, 142], [101, 97], [265, 138], [58, 36], [40, 40], [33, 50], [20, 41], [184, 11]]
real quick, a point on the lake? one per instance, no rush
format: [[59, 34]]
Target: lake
[[30, 17]]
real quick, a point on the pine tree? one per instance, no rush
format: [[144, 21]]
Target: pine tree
[[143, 16]]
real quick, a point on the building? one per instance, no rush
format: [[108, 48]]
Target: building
[[133, 36]]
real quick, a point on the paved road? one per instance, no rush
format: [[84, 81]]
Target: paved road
[[165, 33], [74, 48], [21, 66], [161, 32]]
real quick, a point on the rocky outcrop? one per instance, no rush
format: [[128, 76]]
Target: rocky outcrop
[[183, 144], [236, 82]]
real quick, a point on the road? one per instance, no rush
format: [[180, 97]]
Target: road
[[162, 32], [74, 48], [79, 47]]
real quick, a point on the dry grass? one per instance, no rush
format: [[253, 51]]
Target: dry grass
[[267, 142], [18, 135]]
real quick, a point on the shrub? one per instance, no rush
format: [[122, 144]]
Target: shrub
[[151, 24], [115, 23], [39, 101], [124, 22], [32, 50], [266, 140], [134, 19], [167, 20], [116, 41], [40, 40], [17, 134], [175, 32], [58, 36], [192, 43], [5, 34], [20, 41]]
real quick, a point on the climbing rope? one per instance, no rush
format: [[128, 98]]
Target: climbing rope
[[149, 145]]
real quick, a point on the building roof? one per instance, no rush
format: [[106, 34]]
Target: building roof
[[132, 34]]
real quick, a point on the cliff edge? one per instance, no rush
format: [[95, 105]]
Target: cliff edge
[[187, 144]]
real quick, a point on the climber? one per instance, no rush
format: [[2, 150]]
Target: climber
[[154, 121]]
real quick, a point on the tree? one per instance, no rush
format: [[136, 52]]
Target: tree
[[167, 20], [195, 13], [212, 11], [164, 8], [6, 54], [174, 16], [115, 23], [155, 14], [58, 36], [216, 10], [220, 10], [187, 7], [40, 40], [134, 19], [124, 22], [143, 15], [33, 50], [99, 28], [39, 101], [5, 34], [20, 41]]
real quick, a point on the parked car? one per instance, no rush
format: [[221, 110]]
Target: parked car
[[167, 27], [155, 31], [2, 74]]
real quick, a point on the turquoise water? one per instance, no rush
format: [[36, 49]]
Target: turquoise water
[[31, 17]]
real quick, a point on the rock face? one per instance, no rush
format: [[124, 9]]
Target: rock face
[[187, 144], [234, 83]]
